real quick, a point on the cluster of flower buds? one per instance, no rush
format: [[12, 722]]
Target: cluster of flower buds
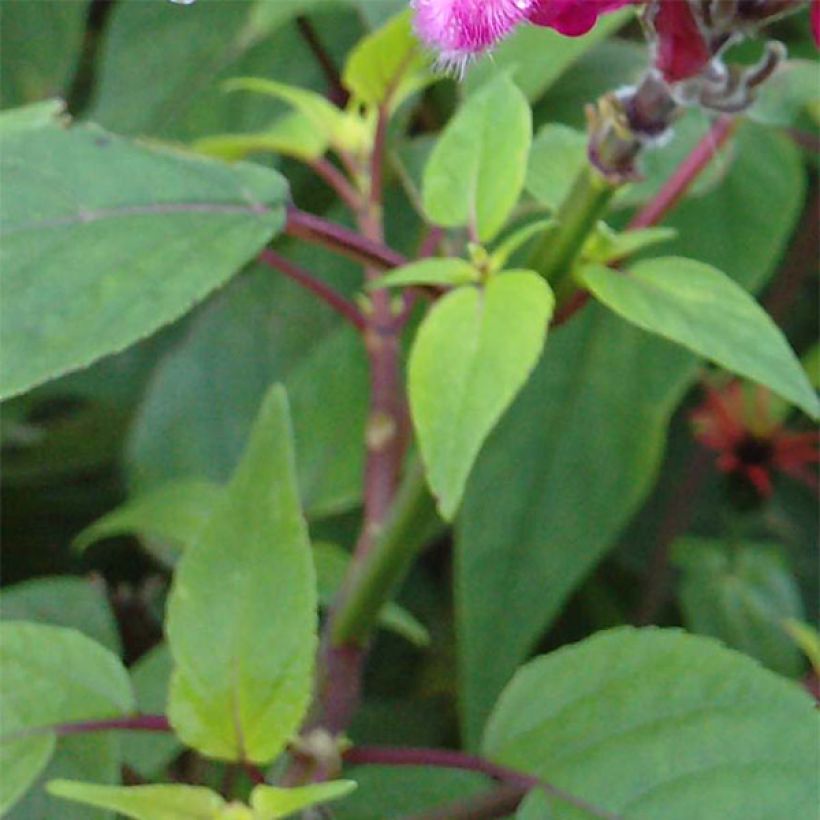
[[688, 40]]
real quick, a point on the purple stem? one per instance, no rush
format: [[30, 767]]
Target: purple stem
[[452, 759], [327, 294], [318, 231]]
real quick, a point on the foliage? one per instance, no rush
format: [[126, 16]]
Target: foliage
[[366, 396]]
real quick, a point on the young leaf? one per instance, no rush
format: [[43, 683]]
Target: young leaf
[[701, 308], [388, 65], [740, 594], [447, 272], [161, 802], [476, 171], [51, 675], [136, 236], [167, 517], [325, 118], [242, 611], [657, 723], [471, 356], [558, 155], [292, 135], [271, 803]]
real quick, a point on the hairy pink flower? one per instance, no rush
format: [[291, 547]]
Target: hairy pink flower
[[458, 29]]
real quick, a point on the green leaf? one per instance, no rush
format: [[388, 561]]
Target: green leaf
[[271, 803], [741, 594], [603, 396], [167, 518], [36, 115], [91, 757], [655, 723], [472, 354], [559, 154], [516, 240], [476, 171], [393, 792], [51, 675], [63, 601], [539, 56], [331, 567], [162, 802], [148, 753], [388, 65], [447, 272], [292, 135], [193, 49], [325, 118], [607, 246], [701, 308], [199, 408], [21, 762], [183, 802], [136, 236], [242, 617], [807, 638], [41, 45], [787, 94]]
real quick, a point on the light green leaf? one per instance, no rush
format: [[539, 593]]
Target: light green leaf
[[517, 239], [331, 567], [787, 94], [608, 246], [40, 47], [701, 308], [807, 638], [247, 584], [476, 171], [148, 753], [388, 65], [559, 153], [471, 356], [36, 115], [292, 135], [656, 723], [740, 594], [51, 675], [271, 803], [78, 603], [322, 114], [161, 802], [447, 272], [105, 241], [167, 517]]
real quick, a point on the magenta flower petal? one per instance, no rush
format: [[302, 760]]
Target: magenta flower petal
[[572, 17], [457, 29]]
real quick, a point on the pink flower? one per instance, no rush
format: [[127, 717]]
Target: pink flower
[[682, 51], [458, 29], [815, 20]]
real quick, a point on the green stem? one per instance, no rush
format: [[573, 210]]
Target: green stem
[[577, 217], [405, 531]]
